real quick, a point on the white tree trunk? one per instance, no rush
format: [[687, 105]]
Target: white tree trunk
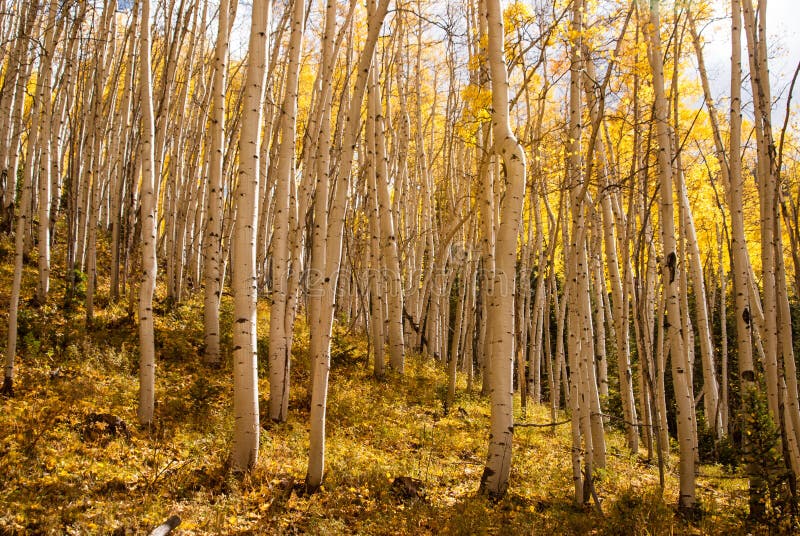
[[44, 154], [391, 259], [621, 326], [279, 329], [671, 274], [327, 270], [214, 202], [494, 481], [245, 291]]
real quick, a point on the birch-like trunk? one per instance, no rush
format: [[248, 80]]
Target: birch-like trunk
[[20, 232], [621, 325], [319, 346], [333, 231], [214, 197], [777, 332], [148, 215], [245, 284], [494, 480], [280, 331], [388, 242], [95, 178], [685, 415], [377, 306], [46, 137]]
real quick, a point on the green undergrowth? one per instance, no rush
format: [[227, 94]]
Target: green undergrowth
[[63, 473]]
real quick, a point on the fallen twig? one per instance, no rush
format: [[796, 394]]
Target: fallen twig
[[540, 425]]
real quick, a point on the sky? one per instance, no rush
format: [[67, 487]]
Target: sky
[[783, 38]]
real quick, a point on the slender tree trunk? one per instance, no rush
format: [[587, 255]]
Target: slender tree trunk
[[333, 232], [245, 284], [214, 199], [99, 123], [46, 137], [621, 326], [377, 316], [389, 252], [671, 274], [125, 120], [23, 220], [494, 481], [724, 407], [279, 332], [147, 351]]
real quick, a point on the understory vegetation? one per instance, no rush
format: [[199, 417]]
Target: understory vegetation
[[76, 462]]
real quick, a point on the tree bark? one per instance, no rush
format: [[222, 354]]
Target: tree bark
[[670, 271], [214, 200], [147, 351], [494, 481], [245, 284]]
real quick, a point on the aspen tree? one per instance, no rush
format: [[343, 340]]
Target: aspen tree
[[125, 120], [745, 311], [639, 283], [426, 224], [487, 197], [332, 246], [606, 220], [281, 319], [767, 193], [494, 480], [245, 357], [522, 313], [388, 242], [45, 94], [99, 121], [670, 270], [147, 358], [452, 365], [214, 198], [582, 344], [568, 354], [540, 312], [182, 164], [377, 316], [14, 90], [689, 237], [621, 324], [175, 32], [268, 150], [777, 332], [20, 231], [598, 285], [319, 342], [724, 407], [315, 159]]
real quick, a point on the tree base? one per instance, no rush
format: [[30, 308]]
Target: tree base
[[692, 513], [483, 489], [8, 387], [311, 489]]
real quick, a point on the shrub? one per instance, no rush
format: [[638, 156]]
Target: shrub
[[772, 502]]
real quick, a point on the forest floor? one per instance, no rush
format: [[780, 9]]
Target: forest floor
[[73, 460]]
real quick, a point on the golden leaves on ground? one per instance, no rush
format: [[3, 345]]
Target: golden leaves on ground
[[58, 480]]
